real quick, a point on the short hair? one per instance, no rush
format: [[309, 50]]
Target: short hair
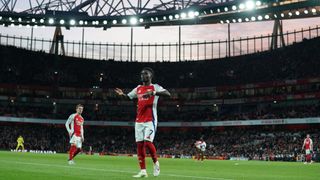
[[149, 69], [79, 105]]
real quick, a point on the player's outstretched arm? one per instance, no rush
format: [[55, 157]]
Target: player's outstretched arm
[[164, 93]]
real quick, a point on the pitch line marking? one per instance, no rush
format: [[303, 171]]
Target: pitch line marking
[[108, 170]]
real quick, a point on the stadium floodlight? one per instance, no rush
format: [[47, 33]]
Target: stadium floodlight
[[12, 25], [253, 18], [19, 19], [290, 14], [234, 7], [221, 22], [170, 17], [10, 18], [211, 11], [141, 20], [306, 11], [51, 21], [61, 21], [267, 16], [28, 26], [20, 25], [72, 22], [239, 20], [114, 22], [183, 15], [0, 17], [247, 19], [275, 16], [260, 18], [85, 22], [313, 10], [250, 5], [226, 9], [191, 14], [258, 3], [35, 26], [105, 22], [97, 22], [41, 20], [133, 20], [81, 22], [124, 21], [282, 15], [297, 13], [152, 19], [196, 13], [234, 21], [227, 21], [242, 6], [218, 10], [176, 16], [164, 18], [157, 19], [33, 20]]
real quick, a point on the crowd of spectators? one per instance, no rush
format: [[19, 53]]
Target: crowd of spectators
[[259, 143], [293, 62], [173, 114]]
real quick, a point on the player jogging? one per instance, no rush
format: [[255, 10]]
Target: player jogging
[[308, 146], [201, 148], [20, 142], [146, 119], [74, 127]]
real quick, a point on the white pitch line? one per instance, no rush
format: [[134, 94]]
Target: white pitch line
[[108, 170]]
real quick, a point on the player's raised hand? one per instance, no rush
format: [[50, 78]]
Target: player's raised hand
[[119, 91]]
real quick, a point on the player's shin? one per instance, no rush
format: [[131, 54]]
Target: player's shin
[[141, 151], [152, 150], [78, 150], [72, 152]]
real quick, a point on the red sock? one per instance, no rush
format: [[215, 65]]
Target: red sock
[[308, 157], [152, 150], [72, 151], [77, 152], [141, 154]]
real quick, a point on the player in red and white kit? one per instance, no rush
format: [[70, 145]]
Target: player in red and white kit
[[201, 148], [308, 146], [146, 119], [74, 127]]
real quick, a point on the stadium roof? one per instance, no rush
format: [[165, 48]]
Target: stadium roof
[[126, 13]]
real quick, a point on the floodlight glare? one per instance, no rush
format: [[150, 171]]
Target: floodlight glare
[[258, 3], [61, 21], [250, 5], [196, 13], [105, 22], [267, 16], [51, 21], [81, 22], [242, 6], [133, 20], [72, 22], [124, 21], [183, 15], [141, 20], [114, 22], [234, 7], [191, 14]]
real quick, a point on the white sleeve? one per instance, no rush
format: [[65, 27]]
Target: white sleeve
[[69, 123], [133, 94], [159, 88], [82, 133]]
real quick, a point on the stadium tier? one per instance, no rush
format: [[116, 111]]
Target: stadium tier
[[261, 86]]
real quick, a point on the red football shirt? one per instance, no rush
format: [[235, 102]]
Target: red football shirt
[[147, 107]]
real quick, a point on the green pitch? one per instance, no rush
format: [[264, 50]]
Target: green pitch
[[46, 167]]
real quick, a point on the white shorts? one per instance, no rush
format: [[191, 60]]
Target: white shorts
[[145, 131], [76, 140], [308, 151]]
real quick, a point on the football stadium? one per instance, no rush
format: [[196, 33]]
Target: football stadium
[[160, 89]]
